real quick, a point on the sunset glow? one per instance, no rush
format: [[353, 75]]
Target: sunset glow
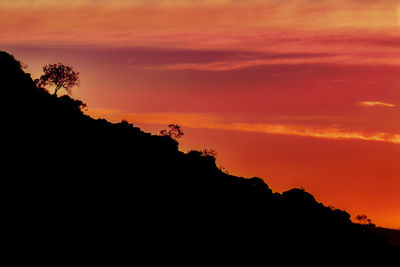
[[300, 93]]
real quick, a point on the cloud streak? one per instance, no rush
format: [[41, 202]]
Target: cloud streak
[[240, 64], [211, 23], [209, 121], [375, 103], [350, 33]]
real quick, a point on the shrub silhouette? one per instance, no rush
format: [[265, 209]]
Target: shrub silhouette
[[209, 153], [96, 186], [174, 131], [363, 219]]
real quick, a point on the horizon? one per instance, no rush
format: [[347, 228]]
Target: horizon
[[298, 94]]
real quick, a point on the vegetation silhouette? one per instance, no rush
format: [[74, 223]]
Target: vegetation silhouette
[[60, 76], [363, 219], [75, 185], [174, 131]]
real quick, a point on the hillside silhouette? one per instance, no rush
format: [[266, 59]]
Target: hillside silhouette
[[75, 185]]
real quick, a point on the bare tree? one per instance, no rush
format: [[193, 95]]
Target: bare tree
[[60, 76]]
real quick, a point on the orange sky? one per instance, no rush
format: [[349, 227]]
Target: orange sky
[[301, 93]]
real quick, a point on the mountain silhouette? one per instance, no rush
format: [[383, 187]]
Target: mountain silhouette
[[77, 186]]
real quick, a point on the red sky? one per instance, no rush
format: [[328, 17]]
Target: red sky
[[301, 93]]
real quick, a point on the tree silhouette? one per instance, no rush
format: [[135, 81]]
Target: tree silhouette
[[174, 131], [60, 76]]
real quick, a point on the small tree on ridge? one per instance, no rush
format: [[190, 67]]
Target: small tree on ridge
[[60, 76]]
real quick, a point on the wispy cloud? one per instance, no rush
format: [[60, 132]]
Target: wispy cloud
[[375, 103], [228, 65], [236, 64], [262, 25], [209, 121]]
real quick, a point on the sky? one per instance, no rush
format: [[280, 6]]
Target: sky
[[301, 93]]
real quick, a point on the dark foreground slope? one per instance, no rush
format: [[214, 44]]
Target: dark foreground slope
[[74, 185], [393, 235]]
